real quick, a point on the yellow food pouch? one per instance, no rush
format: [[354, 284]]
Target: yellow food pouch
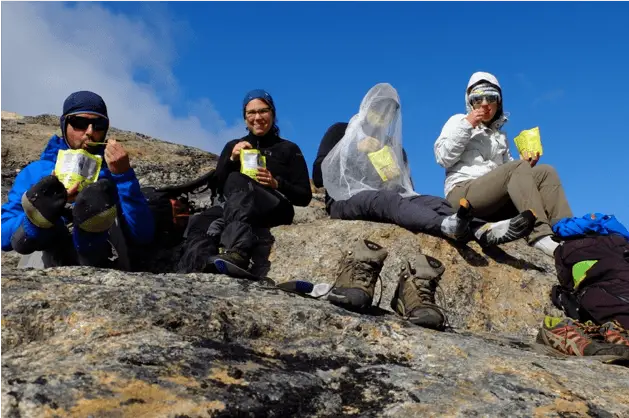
[[385, 164], [529, 141], [250, 161], [77, 166]]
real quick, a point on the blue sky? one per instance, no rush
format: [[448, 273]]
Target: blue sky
[[179, 71]]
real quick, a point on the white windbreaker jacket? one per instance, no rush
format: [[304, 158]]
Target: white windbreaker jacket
[[466, 152]]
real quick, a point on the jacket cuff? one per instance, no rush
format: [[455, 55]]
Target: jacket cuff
[[466, 125], [463, 130], [128, 175]]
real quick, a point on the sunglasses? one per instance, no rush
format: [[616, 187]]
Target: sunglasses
[[82, 123], [477, 100]]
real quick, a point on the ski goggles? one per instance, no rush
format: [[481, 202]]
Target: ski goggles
[[82, 123]]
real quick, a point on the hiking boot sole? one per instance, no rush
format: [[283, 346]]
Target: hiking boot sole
[[345, 302], [232, 270], [607, 359]]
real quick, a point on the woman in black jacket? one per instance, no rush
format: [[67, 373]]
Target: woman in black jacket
[[259, 197]]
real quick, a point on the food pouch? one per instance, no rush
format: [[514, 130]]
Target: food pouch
[[77, 166], [529, 141], [385, 164], [250, 161]]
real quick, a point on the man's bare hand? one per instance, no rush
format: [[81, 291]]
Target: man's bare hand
[[73, 191], [116, 157]]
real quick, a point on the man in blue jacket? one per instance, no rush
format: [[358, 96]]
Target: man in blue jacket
[[51, 225]]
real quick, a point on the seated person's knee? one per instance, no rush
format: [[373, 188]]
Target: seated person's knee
[[236, 180], [520, 165], [547, 169]]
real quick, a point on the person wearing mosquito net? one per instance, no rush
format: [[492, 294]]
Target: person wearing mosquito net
[[474, 150], [365, 172]]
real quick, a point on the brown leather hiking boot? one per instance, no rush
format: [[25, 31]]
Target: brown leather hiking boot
[[356, 282], [414, 297]]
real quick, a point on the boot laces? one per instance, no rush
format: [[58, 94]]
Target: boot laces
[[428, 290], [362, 271]]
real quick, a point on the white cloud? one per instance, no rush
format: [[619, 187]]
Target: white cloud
[[549, 96], [50, 50]]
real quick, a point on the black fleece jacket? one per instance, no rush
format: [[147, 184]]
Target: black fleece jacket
[[284, 160]]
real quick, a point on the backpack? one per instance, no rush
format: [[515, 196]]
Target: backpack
[[171, 208], [598, 262], [170, 214]]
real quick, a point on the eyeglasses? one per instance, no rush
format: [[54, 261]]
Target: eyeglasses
[[253, 112], [478, 100], [82, 123]]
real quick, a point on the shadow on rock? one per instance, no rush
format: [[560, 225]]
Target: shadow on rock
[[470, 255], [500, 256]]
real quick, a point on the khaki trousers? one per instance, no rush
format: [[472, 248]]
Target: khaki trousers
[[515, 187]]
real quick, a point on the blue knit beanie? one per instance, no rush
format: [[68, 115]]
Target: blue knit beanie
[[82, 102]]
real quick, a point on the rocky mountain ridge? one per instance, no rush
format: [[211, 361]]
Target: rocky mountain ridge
[[79, 342]]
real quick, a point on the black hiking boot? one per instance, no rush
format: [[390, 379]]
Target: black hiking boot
[[234, 257], [414, 297], [356, 282]]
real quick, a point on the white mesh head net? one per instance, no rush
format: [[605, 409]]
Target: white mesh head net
[[370, 155]]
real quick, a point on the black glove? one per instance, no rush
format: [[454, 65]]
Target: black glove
[[44, 202], [95, 207]]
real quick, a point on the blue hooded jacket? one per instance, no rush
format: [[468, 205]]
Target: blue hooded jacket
[[137, 218]]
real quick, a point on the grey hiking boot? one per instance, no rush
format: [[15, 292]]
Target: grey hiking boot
[[414, 297], [356, 283]]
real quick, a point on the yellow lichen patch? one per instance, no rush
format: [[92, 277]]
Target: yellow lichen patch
[[136, 398], [562, 407], [350, 410], [374, 333], [249, 366], [221, 375], [459, 352], [536, 375], [182, 380], [72, 319], [267, 351]]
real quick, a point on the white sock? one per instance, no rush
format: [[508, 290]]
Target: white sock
[[546, 245]]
